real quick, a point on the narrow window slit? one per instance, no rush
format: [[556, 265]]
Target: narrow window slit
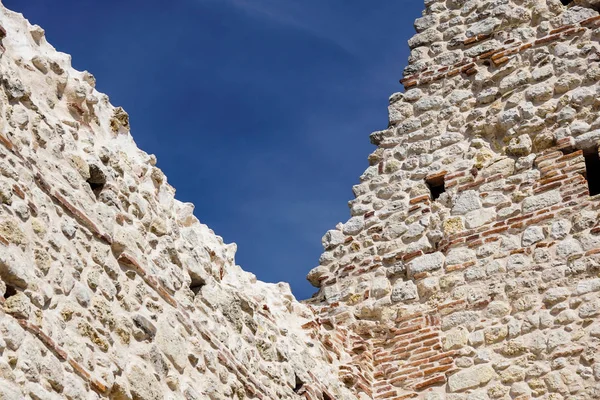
[[299, 385], [196, 285], [97, 179], [436, 185], [592, 172], [10, 291]]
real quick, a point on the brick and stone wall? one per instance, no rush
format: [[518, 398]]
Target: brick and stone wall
[[469, 268], [109, 287]]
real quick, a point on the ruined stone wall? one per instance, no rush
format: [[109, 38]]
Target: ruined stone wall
[[469, 269], [109, 287], [492, 289]]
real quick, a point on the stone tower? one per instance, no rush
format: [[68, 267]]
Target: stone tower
[[469, 269]]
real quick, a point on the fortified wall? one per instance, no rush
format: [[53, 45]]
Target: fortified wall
[[468, 270]]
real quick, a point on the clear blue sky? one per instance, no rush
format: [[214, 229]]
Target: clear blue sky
[[259, 111]]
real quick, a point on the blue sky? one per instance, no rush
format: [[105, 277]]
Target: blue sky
[[259, 111]]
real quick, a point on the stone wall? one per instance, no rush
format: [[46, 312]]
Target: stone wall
[[491, 290], [468, 270], [111, 288]]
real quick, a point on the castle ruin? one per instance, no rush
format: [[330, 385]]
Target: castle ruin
[[469, 268]]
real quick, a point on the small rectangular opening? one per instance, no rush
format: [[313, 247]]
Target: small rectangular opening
[[436, 184], [592, 172], [299, 385], [10, 291]]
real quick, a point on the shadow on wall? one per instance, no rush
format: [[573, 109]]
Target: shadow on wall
[[595, 4]]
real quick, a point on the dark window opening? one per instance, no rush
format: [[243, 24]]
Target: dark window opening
[[299, 385], [97, 179], [10, 291], [566, 2], [197, 284], [436, 186], [326, 396], [592, 172]]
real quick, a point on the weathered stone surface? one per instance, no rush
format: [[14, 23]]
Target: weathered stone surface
[[471, 378], [469, 260], [404, 291], [332, 239], [353, 226], [144, 385], [467, 201], [541, 201], [428, 262]]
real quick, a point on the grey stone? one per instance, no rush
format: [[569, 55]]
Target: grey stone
[[520, 146], [9, 391], [484, 27], [404, 291], [477, 218], [332, 239], [426, 263], [13, 269], [471, 378], [556, 295], [465, 202], [171, 343], [588, 286], [460, 255], [541, 201], [588, 140], [560, 229], [557, 338], [568, 247], [354, 226], [589, 309], [380, 287], [143, 384], [425, 22], [532, 235]]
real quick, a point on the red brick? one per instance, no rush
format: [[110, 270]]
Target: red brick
[[419, 199], [590, 21], [438, 380]]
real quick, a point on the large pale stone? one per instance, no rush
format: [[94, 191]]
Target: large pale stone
[[332, 239], [143, 384], [426, 263], [380, 287], [14, 270], [471, 378], [540, 201], [556, 295], [568, 247], [560, 229], [354, 226], [477, 218], [557, 338], [588, 286], [455, 338], [9, 391], [171, 343], [588, 140], [460, 255], [532, 235], [484, 27], [404, 291], [466, 201]]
